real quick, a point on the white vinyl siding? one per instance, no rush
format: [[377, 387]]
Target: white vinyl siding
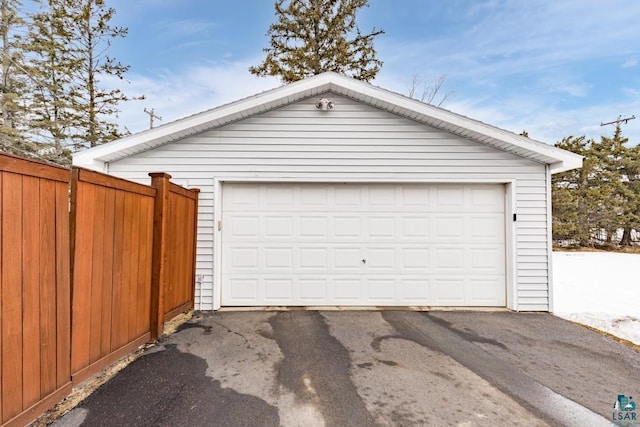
[[354, 142]]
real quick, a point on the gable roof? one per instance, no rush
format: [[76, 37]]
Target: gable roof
[[558, 159]]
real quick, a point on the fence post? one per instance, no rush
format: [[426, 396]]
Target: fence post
[[160, 181], [196, 192]]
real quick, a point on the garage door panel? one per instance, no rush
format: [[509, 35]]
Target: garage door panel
[[449, 260], [244, 226], [449, 228], [244, 198], [485, 199], [382, 196], [347, 198], [415, 198], [354, 244], [244, 289], [278, 227], [313, 291], [243, 258], [415, 290], [414, 228], [277, 259], [347, 227], [313, 259], [380, 260], [278, 198], [449, 290], [416, 260], [278, 289], [347, 259], [487, 260], [347, 290], [483, 291], [381, 227], [313, 227], [381, 290], [487, 227]]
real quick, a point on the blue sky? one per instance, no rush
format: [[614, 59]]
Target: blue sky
[[552, 67]]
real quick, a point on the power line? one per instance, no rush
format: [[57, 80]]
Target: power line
[[152, 115], [618, 121]]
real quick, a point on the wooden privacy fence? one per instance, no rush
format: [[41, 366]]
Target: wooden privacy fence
[[112, 226], [80, 289], [35, 283], [175, 221]]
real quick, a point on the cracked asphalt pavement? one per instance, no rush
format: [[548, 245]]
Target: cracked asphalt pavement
[[369, 368]]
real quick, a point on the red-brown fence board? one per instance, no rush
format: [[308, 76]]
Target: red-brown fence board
[[181, 237], [34, 286], [78, 290], [111, 286], [174, 258]]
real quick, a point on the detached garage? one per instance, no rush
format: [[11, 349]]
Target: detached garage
[[334, 192]]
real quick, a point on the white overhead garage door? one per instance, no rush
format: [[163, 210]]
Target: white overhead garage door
[[363, 244]]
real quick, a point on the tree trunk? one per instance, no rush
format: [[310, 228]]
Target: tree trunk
[[626, 237]]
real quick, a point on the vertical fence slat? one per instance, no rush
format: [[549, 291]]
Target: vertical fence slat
[[144, 272], [95, 316], [31, 290], [125, 294], [12, 296], [107, 273], [136, 242], [116, 303], [182, 267], [172, 269], [81, 294], [63, 280], [47, 289]]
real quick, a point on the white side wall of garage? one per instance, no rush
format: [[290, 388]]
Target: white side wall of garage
[[354, 142]]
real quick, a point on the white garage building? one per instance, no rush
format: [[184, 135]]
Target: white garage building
[[334, 192]]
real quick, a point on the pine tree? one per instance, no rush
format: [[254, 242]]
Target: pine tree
[[607, 177], [69, 42], [603, 197], [313, 36], [571, 205], [631, 193], [52, 68], [13, 80], [96, 105]]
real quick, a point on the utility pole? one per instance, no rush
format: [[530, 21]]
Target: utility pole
[[618, 121], [152, 115]]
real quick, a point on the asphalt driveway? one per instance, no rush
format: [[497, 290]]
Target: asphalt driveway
[[362, 368]]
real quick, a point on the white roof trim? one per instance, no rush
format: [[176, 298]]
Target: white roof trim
[[558, 159]]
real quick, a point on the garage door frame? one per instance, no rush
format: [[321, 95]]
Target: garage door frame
[[509, 220]]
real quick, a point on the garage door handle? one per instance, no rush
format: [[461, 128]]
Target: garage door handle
[[364, 261]]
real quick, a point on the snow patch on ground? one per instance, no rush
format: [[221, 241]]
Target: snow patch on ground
[[599, 289]]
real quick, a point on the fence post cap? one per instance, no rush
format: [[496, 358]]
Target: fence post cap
[[159, 175]]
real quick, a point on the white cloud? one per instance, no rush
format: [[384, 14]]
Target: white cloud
[[548, 123], [184, 27], [511, 38], [193, 90]]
